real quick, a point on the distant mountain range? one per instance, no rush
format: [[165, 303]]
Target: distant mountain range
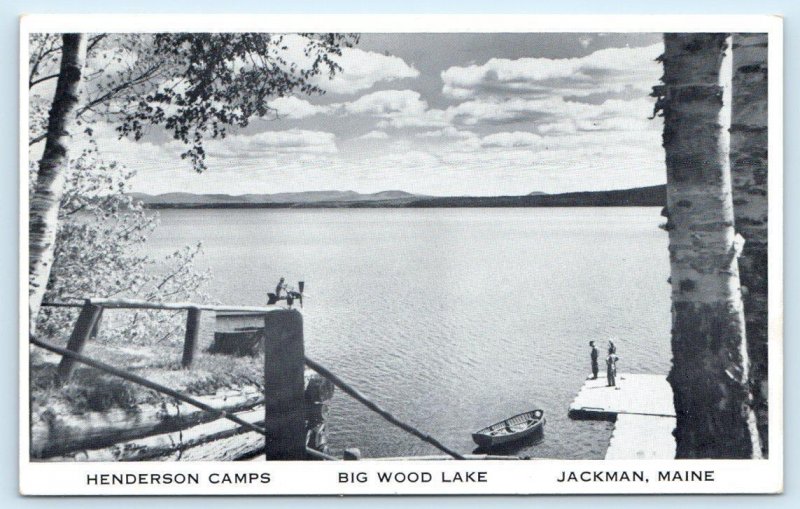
[[636, 197], [191, 199]]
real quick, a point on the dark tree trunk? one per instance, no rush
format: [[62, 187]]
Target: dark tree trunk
[[749, 176], [709, 375], [50, 179]]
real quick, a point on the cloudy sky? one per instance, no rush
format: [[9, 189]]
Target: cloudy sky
[[443, 114]]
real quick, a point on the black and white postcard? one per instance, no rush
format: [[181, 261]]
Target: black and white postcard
[[362, 254]]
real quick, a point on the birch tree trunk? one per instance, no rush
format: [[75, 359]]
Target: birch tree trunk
[[749, 177], [49, 187], [709, 374]]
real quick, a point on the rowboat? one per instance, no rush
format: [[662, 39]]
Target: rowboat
[[511, 429]]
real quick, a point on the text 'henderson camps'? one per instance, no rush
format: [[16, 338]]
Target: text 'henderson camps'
[[180, 478]]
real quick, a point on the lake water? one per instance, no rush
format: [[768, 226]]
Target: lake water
[[452, 319]]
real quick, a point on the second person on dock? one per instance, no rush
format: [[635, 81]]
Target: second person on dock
[[594, 355], [611, 367]]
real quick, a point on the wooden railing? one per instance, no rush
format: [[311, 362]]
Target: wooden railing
[[92, 311], [284, 372]]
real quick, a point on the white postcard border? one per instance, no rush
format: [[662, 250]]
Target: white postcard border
[[503, 477]]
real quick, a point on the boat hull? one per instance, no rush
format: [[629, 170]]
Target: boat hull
[[496, 434]]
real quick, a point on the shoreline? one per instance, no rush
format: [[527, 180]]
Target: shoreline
[[652, 196]]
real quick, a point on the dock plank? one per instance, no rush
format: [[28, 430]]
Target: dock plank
[[642, 437], [641, 407], [643, 394]]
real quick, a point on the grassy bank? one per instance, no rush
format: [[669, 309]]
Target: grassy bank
[[92, 390]]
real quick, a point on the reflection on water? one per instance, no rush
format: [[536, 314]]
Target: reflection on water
[[452, 318]]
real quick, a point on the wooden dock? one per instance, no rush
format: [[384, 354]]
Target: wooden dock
[[642, 437], [642, 409]]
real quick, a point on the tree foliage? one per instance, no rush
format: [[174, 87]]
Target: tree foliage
[[192, 86], [101, 251]]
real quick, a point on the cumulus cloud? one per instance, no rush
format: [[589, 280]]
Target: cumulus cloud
[[554, 115], [295, 108], [374, 135], [425, 119], [497, 163], [514, 139], [496, 111], [271, 142], [361, 70], [511, 127], [406, 109], [607, 70], [396, 109], [447, 132], [234, 149], [563, 158], [603, 91], [387, 102]]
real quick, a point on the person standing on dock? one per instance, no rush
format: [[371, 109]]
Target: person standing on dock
[[612, 348], [280, 288], [594, 354], [611, 368]]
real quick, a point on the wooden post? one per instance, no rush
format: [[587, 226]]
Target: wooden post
[[284, 385], [77, 340], [96, 328], [205, 336], [190, 341]]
